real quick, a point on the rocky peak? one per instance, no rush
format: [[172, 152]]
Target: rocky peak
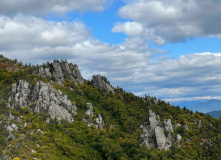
[[102, 83], [60, 70]]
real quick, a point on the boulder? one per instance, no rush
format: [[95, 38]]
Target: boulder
[[179, 137], [14, 126]]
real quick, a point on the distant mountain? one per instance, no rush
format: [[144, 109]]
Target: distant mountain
[[187, 104], [215, 114], [208, 106], [203, 106]]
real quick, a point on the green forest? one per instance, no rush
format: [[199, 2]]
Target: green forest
[[122, 112]]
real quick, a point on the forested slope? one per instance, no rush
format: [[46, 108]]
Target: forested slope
[[107, 124]]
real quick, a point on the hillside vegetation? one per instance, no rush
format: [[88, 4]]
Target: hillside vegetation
[[28, 134]]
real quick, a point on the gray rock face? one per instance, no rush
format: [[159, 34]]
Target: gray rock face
[[160, 138], [99, 123], [11, 116], [186, 126], [90, 110], [26, 124], [10, 128], [57, 71], [153, 119], [102, 83], [148, 130], [43, 98], [14, 126], [89, 114], [168, 125], [60, 70], [200, 123], [153, 135], [21, 92], [179, 137], [39, 131]]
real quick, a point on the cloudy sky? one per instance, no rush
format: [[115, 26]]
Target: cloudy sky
[[170, 49]]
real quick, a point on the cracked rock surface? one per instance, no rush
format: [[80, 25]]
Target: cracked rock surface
[[43, 97]]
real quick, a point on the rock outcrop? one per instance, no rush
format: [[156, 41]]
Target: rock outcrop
[[160, 138], [90, 110], [43, 97], [89, 114], [21, 92], [10, 128], [102, 83], [60, 70], [153, 135], [99, 123], [168, 125]]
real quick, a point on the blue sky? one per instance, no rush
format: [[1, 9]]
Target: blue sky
[[164, 48]]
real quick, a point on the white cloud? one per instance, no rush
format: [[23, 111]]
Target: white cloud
[[36, 7], [166, 21], [129, 28], [128, 65], [24, 32]]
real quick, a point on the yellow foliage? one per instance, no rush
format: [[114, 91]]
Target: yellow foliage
[[17, 158], [120, 139], [98, 131], [73, 102], [189, 146], [4, 65], [10, 71]]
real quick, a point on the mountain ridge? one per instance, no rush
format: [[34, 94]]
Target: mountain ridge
[[56, 116], [216, 114], [204, 106]]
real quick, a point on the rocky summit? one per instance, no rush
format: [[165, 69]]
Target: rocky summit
[[60, 70], [50, 112], [102, 83]]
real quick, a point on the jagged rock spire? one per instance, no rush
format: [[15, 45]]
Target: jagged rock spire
[[60, 70]]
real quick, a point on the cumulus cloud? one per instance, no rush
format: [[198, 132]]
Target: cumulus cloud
[[129, 28], [29, 36], [36, 7], [166, 21], [129, 65], [184, 77]]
